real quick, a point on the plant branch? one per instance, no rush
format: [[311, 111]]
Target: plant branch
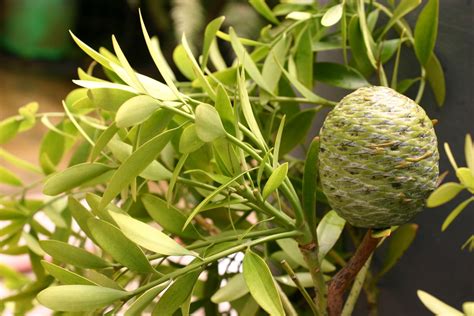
[[356, 288], [343, 279]]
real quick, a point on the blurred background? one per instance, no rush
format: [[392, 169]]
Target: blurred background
[[38, 61]]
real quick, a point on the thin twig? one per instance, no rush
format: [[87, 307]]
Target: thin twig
[[356, 288], [343, 279]]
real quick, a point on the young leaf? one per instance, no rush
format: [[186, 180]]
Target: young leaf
[[452, 216], [114, 242], [169, 217], [135, 164], [444, 193], [78, 257], [436, 306], [276, 179], [261, 7], [332, 15], [136, 110], [234, 289], [64, 276], [209, 38], [261, 283], [129, 72], [73, 177], [208, 123], [329, 230], [8, 177], [339, 76], [149, 237], [79, 298], [176, 294], [310, 179], [426, 31], [399, 242], [142, 302], [405, 84]]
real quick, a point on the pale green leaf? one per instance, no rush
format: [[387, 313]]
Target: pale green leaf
[[466, 177], [225, 110], [144, 300], [114, 242], [452, 216], [189, 140], [261, 7], [65, 276], [235, 288], [78, 257], [271, 71], [17, 162], [149, 237], [9, 128], [468, 152], [104, 61], [436, 306], [332, 15], [73, 177], [468, 308], [129, 72], [103, 140], [329, 229], [426, 31], [209, 38], [183, 63], [136, 110], [208, 123], [446, 192], [78, 298], [109, 99], [304, 277], [261, 283], [8, 177], [276, 179]]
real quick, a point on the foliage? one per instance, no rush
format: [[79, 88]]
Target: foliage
[[168, 180], [448, 191], [440, 308]]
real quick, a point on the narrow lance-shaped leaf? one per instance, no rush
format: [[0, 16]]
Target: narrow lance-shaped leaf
[[435, 76], [149, 237], [304, 58], [468, 151], [135, 164], [436, 306], [144, 300], [79, 298], [209, 38], [114, 242], [234, 289], [225, 110], [64, 276], [446, 192], [271, 71], [276, 179], [426, 31], [310, 179], [184, 65], [329, 230], [8, 177], [78, 257], [176, 294], [132, 76], [261, 283], [452, 216], [103, 140], [261, 7], [403, 8]]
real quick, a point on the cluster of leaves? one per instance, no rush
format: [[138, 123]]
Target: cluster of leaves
[[448, 191], [166, 180]]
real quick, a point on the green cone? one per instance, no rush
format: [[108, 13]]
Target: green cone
[[378, 158]]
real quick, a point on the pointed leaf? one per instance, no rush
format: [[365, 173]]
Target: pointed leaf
[[276, 179], [8, 177], [209, 38], [261, 7], [339, 76], [183, 63], [468, 151], [234, 289], [189, 141], [261, 283], [64, 276], [271, 70], [435, 76], [144, 300], [208, 123], [426, 31], [148, 237], [310, 179], [78, 298], [136, 110], [436, 306], [296, 130], [446, 192], [466, 177], [452, 216], [304, 59], [109, 99], [329, 230], [225, 110], [78, 257], [403, 8], [114, 242], [399, 242]]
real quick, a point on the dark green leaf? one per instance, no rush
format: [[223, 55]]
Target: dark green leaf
[[304, 58], [114, 242], [358, 50], [340, 76], [426, 31], [403, 8], [73, 177], [296, 130], [78, 257], [435, 76], [261, 284], [310, 179], [405, 84], [77, 298]]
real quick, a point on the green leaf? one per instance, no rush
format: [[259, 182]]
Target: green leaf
[[366, 34], [32, 242], [104, 61], [209, 38], [248, 111], [468, 152], [8, 177], [235, 288], [135, 164], [78, 257], [276, 179], [296, 130], [329, 229], [183, 63], [148, 237], [436, 306], [466, 177], [20, 163], [136, 110], [128, 75], [310, 180], [290, 247], [358, 50], [103, 140], [399, 242], [114, 242], [261, 7], [261, 283], [189, 140], [426, 31], [78, 298], [225, 110], [247, 62], [271, 71], [304, 58], [144, 300], [208, 123], [109, 99], [332, 15], [80, 214], [176, 294], [64, 276], [446, 192], [9, 128], [403, 8], [452, 216], [405, 84], [169, 217], [73, 177], [304, 277], [339, 76], [468, 308]]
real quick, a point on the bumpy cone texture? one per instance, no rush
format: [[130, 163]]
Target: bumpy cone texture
[[378, 159]]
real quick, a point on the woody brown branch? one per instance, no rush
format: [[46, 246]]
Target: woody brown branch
[[343, 279]]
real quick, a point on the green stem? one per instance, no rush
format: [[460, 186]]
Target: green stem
[[356, 288], [215, 257], [287, 306]]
